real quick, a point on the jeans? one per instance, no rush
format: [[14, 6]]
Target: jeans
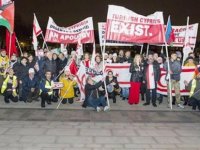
[[125, 92], [96, 102]]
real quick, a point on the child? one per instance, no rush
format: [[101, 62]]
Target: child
[[67, 92]]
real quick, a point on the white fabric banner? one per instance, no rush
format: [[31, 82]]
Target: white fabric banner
[[82, 31]]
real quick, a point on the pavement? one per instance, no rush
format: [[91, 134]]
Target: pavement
[[25, 126]]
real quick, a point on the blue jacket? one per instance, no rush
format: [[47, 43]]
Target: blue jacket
[[176, 69]]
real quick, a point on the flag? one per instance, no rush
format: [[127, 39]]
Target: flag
[[36, 32], [79, 49], [5, 2], [169, 35], [81, 80], [13, 49], [7, 16], [93, 56], [73, 67]]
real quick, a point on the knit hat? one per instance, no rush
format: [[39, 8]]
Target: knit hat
[[31, 70]]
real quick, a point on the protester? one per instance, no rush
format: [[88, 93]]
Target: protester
[[62, 62], [92, 96], [151, 77], [121, 56], [50, 65], [136, 70], [115, 58], [30, 87], [194, 88], [21, 73], [67, 91], [4, 63], [9, 86], [86, 60], [174, 72], [46, 90], [112, 85]]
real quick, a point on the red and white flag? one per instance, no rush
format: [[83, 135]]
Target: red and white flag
[[36, 32], [5, 2], [124, 25]]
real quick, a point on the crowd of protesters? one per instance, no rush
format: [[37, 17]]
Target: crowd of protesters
[[29, 78]]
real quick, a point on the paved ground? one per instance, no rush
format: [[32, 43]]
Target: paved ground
[[28, 127]]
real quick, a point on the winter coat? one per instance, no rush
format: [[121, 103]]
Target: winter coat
[[136, 72], [176, 69], [68, 88]]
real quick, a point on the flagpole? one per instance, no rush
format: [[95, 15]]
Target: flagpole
[[168, 66], [147, 50], [141, 49], [104, 48], [44, 42], [19, 46], [185, 42], [10, 41]]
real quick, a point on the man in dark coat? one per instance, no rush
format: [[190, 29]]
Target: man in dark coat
[[151, 77]]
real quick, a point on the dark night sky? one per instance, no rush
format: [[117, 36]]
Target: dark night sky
[[68, 12]]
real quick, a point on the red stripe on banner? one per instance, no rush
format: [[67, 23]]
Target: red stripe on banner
[[165, 90], [117, 67], [124, 82]]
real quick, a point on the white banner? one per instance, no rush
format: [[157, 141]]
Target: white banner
[[121, 71], [83, 31], [180, 32], [125, 25]]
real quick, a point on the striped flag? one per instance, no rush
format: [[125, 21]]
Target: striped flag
[[36, 32]]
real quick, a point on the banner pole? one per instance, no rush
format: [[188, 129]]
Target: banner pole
[[10, 41], [168, 66], [44, 43], [147, 50], [104, 48], [19, 46], [185, 44], [141, 49]]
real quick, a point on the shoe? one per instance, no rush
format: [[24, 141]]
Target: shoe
[[194, 108], [181, 106], [98, 109], [7, 102], [114, 100], [145, 104], [43, 106], [123, 98], [106, 108], [154, 105]]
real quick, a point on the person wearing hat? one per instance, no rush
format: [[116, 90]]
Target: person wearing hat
[[190, 62], [194, 89], [30, 87], [115, 58], [4, 64], [67, 92], [9, 86]]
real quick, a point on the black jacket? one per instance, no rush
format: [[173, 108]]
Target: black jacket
[[50, 65], [129, 60], [92, 89], [136, 73], [21, 71], [116, 86]]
